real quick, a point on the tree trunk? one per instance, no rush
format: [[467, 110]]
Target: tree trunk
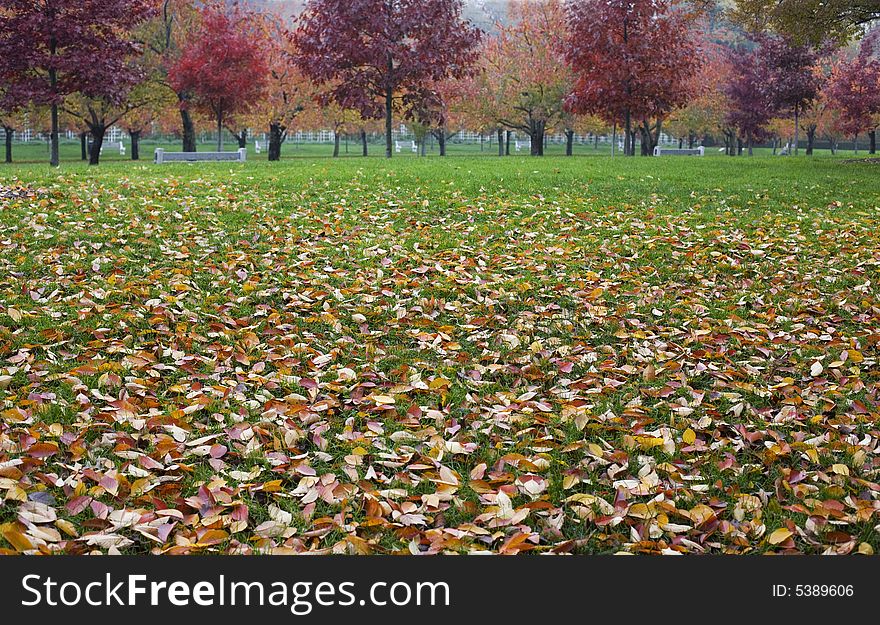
[[189, 127], [335, 144], [54, 157], [872, 137], [750, 142], [219, 132], [507, 143], [366, 151], [441, 141], [389, 111], [536, 136], [692, 138], [276, 138], [797, 128], [135, 144], [84, 146], [569, 142], [97, 142], [811, 139], [645, 132], [7, 130], [500, 142], [627, 140], [650, 138]]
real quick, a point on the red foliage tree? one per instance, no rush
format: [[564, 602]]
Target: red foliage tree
[[375, 54], [224, 66], [55, 48], [854, 90], [790, 77], [634, 60], [750, 103]]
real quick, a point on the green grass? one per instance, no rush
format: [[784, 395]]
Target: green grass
[[635, 337]]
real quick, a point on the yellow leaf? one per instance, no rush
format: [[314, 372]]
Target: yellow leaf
[[640, 511], [17, 540], [855, 356], [595, 450], [840, 469], [383, 399], [780, 536], [14, 314], [66, 526], [689, 436], [866, 550], [272, 486]]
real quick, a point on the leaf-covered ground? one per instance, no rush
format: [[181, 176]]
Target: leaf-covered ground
[[462, 355]]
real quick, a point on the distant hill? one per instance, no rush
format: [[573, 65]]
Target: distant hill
[[483, 13]]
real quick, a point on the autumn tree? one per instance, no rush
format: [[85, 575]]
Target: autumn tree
[[223, 65], [790, 77], [526, 62], [380, 55], [146, 104], [288, 91], [633, 61], [479, 99], [704, 114], [56, 48], [174, 24], [750, 104], [854, 90], [808, 21]]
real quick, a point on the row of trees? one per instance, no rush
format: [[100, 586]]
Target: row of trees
[[582, 66]]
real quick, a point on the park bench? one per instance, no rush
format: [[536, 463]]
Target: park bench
[[660, 151], [114, 145], [257, 147], [398, 147], [196, 157], [519, 146]]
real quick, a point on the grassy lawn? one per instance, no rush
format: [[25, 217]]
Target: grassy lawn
[[468, 354]]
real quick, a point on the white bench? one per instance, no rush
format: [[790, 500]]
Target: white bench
[[257, 148], [162, 156], [398, 147], [519, 146], [661, 151], [114, 145]]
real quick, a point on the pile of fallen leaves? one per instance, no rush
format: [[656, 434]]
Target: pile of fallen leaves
[[14, 193], [193, 365]]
